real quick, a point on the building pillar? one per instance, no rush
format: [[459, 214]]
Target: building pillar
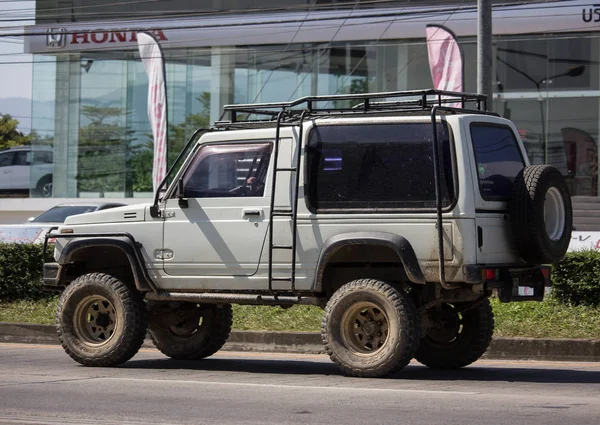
[[222, 80], [66, 125]]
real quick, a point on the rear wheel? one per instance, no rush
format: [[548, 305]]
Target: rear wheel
[[101, 321], [456, 338], [370, 328], [188, 331]]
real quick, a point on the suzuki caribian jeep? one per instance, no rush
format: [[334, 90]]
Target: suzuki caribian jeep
[[398, 213]]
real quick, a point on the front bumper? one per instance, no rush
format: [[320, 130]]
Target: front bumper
[[52, 274]]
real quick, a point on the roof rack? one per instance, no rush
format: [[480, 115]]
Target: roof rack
[[397, 102]]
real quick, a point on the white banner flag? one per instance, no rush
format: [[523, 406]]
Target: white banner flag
[[154, 63], [445, 59]]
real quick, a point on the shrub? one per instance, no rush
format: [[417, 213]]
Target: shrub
[[576, 279], [21, 271]]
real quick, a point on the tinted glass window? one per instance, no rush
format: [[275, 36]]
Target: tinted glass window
[[6, 159], [498, 160], [22, 158], [42, 157], [384, 166], [228, 170]]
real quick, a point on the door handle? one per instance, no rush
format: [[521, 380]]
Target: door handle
[[252, 213]]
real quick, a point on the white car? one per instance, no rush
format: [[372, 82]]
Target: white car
[[399, 216], [25, 169]]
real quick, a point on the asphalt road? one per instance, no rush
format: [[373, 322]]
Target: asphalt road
[[40, 385]]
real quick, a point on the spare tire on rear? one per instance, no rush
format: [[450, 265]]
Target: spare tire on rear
[[541, 215]]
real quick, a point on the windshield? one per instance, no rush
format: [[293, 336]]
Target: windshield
[[60, 213]]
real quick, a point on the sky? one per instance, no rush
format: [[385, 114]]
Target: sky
[[15, 77]]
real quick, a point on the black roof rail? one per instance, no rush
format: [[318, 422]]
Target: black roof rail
[[258, 115]]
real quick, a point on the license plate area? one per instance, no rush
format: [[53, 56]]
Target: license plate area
[[522, 285]]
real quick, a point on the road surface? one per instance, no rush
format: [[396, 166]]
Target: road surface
[[40, 384]]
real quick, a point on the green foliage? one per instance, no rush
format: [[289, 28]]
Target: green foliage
[[297, 318], [21, 271], [576, 279], [547, 319], [9, 135], [29, 311], [104, 148]]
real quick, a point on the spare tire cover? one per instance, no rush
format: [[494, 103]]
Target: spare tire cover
[[541, 215]]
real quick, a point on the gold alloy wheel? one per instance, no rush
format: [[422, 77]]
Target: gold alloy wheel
[[95, 320], [364, 328]]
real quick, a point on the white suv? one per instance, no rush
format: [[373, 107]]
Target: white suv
[[399, 215], [20, 172]]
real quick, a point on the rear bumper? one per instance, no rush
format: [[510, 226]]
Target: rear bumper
[[512, 283]]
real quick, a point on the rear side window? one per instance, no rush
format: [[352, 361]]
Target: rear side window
[[498, 158], [376, 167]]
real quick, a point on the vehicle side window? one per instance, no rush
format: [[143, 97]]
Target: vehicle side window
[[230, 170], [377, 167], [6, 159], [498, 158], [22, 158], [42, 157]]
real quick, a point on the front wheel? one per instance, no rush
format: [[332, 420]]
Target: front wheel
[[370, 328], [456, 338], [101, 321]]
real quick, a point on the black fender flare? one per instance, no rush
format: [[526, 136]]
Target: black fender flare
[[400, 245], [122, 243]]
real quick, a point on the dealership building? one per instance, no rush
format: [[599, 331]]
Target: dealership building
[[90, 87]]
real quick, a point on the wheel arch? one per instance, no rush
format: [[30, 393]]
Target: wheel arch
[[398, 245], [104, 253]]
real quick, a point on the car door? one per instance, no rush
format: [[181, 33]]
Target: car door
[[6, 169], [20, 170], [219, 225]]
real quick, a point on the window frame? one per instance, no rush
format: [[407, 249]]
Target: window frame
[[174, 193], [11, 156], [517, 144], [377, 210]]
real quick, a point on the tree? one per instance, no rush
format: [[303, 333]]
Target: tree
[[178, 136], [9, 135], [104, 151]]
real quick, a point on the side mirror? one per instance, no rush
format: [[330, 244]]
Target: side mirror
[[183, 203], [30, 219]]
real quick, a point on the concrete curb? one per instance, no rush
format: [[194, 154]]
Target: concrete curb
[[581, 350]]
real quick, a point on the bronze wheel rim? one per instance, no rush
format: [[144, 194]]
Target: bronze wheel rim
[[95, 320], [365, 328]]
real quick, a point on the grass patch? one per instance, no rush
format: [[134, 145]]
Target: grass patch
[[548, 319], [26, 311]]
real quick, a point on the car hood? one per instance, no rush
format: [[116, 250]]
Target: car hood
[[127, 213]]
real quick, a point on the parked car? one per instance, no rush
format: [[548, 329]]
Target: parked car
[[36, 227], [59, 213], [27, 168]]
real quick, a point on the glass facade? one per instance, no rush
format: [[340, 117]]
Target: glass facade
[[91, 106]]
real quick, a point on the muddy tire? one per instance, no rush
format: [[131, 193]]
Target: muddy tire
[[456, 339], [370, 328], [541, 214], [100, 320], [188, 331]]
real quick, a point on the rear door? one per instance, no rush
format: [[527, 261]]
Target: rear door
[[497, 151]]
